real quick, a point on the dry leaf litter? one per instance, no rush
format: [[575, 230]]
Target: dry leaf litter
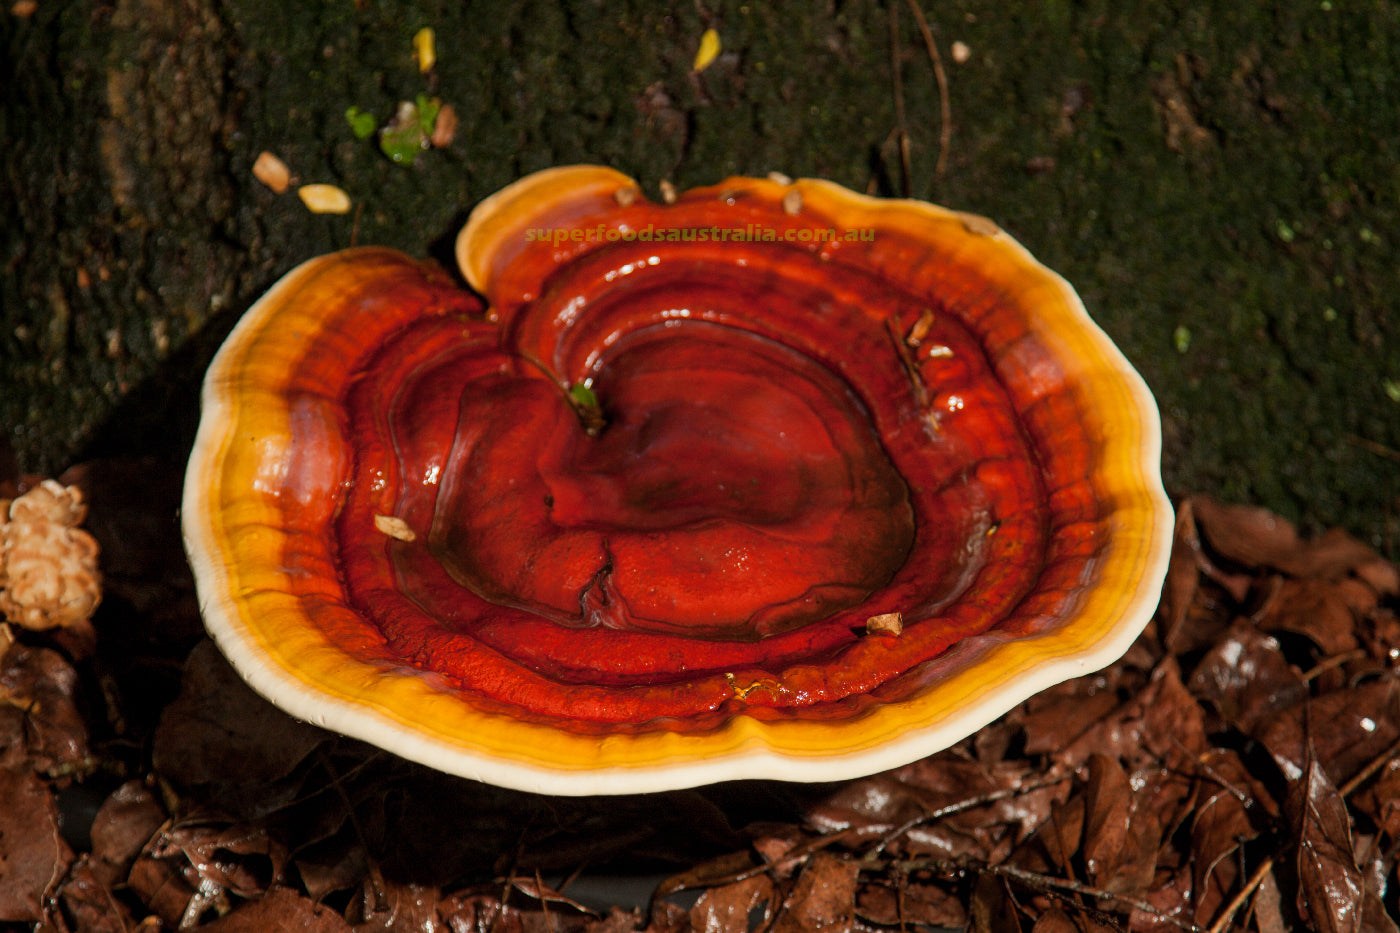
[[1237, 770]]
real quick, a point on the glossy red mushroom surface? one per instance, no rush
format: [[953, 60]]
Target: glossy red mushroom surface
[[620, 516]]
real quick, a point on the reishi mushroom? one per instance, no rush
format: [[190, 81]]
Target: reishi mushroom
[[774, 481]]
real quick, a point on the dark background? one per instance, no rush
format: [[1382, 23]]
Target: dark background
[[1221, 183]]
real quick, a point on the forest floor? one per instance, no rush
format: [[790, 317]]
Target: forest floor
[[1237, 770]]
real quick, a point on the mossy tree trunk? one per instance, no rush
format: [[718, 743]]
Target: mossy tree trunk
[[1220, 183]]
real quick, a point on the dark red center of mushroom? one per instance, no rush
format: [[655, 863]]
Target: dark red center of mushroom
[[730, 488], [782, 447]]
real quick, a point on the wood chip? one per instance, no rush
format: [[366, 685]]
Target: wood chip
[[394, 527], [889, 623], [272, 172], [445, 127]]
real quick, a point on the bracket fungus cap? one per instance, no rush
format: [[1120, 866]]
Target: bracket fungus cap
[[773, 480]]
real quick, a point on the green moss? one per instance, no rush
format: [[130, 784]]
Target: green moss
[[1223, 170]]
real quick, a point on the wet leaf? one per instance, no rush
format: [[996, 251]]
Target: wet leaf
[[90, 902], [1121, 832], [387, 906], [950, 806], [1055, 719], [1381, 800], [1107, 807], [1055, 843], [903, 903], [1223, 822], [1343, 730], [1268, 906], [534, 887], [1170, 905], [993, 910], [776, 848], [281, 911], [1179, 589], [241, 858], [1331, 890], [1246, 677], [160, 885], [1162, 723], [727, 908], [1254, 537], [223, 737], [1054, 920], [41, 726], [823, 900], [126, 821], [33, 855], [1314, 609], [718, 871]]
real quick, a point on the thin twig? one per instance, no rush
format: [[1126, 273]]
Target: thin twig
[[1043, 882], [1336, 660], [911, 366], [945, 107], [1374, 765], [971, 803], [901, 133], [1365, 443], [1245, 800], [1236, 902], [793, 856]]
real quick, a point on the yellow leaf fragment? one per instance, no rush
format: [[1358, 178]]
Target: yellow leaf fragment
[[425, 48], [708, 51], [324, 199]]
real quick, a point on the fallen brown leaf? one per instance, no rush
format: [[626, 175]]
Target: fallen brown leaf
[[727, 908], [1255, 794], [1245, 677], [222, 737], [281, 911], [993, 910], [41, 726], [823, 900], [33, 855], [89, 903], [385, 906], [1257, 538], [123, 826], [1332, 892]]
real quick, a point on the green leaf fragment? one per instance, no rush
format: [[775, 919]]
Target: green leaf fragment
[[583, 396], [428, 109], [411, 130], [1181, 338], [586, 406], [361, 124]]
